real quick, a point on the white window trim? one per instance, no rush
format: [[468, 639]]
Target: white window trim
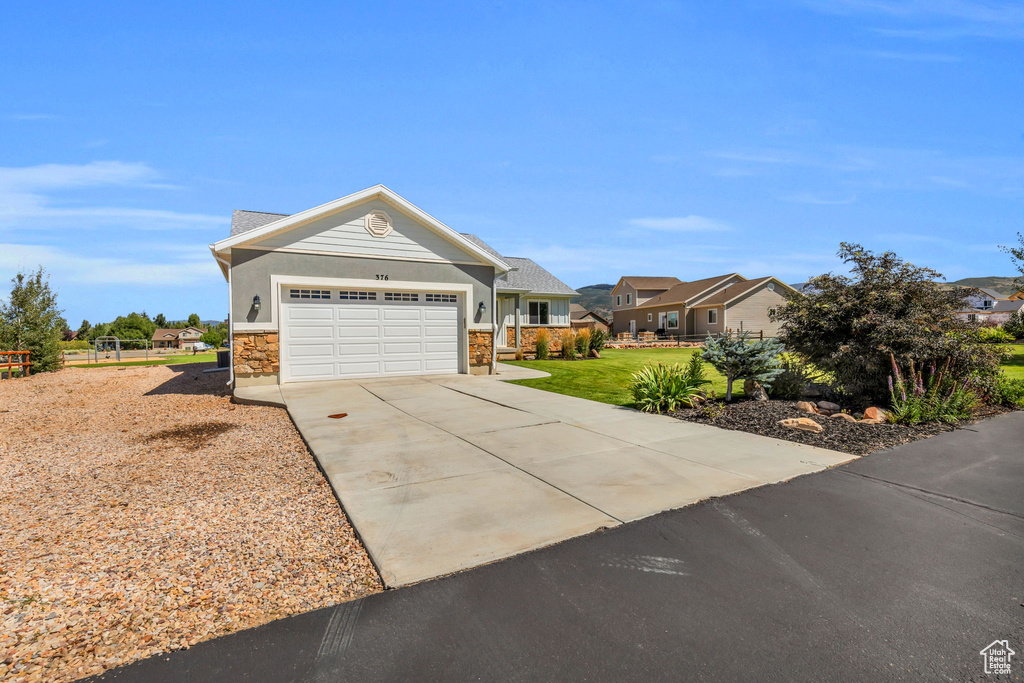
[[650, 317], [618, 299], [538, 301], [668, 320], [712, 313], [629, 299]]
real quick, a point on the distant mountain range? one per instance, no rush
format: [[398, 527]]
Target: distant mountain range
[[598, 298]]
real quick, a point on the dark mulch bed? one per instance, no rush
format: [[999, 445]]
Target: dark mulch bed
[[762, 417]]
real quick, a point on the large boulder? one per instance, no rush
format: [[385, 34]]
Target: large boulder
[[806, 407], [844, 416], [754, 390], [829, 406], [803, 424], [874, 413]]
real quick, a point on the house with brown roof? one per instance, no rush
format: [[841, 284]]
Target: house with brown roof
[[712, 305], [177, 338], [580, 318]]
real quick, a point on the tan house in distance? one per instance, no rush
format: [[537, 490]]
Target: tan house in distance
[[710, 306], [184, 338], [580, 318]]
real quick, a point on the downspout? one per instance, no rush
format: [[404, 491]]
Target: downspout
[[231, 327], [494, 329]]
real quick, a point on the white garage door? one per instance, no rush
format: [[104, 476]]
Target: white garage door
[[341, 333]]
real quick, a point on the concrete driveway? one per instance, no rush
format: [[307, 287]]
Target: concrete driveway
[[443, 473]]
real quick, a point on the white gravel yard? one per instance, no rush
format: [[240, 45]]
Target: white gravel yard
[[142, 512]]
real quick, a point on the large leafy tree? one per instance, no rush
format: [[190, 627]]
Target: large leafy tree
[[736, 357], [849, 325], [193, 320], [31, 321], [132, 326], [160, 320]]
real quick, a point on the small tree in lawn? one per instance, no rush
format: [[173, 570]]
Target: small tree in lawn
[[736, 357], [30, 320], [212, 338]]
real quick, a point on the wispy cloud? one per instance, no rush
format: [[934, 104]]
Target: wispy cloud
[[680, 224], [29, 198], [191, 266], [927, 57], [811, 198], [935, 19], [30, 117]]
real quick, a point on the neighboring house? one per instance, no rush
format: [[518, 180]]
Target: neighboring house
[[989, 307], [710, 306], [582, 318], [370, 285], [183, 338], [1017, 296]]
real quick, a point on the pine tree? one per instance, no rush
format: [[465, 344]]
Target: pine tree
[[736, 357], [193, 320], [30, 320]]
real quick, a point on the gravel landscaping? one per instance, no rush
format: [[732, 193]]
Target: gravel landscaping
[[141, 512], [762, 417]]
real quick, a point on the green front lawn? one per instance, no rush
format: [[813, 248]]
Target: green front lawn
[[163, 360], [1014, 365], [607, 379]]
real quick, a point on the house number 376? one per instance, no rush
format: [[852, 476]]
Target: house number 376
[[382, 277]]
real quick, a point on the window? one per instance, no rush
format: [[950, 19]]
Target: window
[[971, 317], [310, 294], [629, 299], [673, 320], [712, 316], [539, 313], [650, 317], [618, 299], [362, 296], [986, 304], [401, 296], [441, 298]]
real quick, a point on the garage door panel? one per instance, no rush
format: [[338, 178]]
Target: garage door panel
[[310, 332], [352, 312], [310, 312], [338, 338], [310, 351], [349, 349], [402, 313]]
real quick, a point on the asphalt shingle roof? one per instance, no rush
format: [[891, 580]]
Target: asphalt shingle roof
[[643, 282], [685, 292], [525, 273], [244, 221]]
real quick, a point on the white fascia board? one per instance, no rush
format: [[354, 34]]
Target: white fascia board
[[712, 289], [222, 261], [294, 221]]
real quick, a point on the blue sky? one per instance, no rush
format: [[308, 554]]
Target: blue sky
[[600, 139]]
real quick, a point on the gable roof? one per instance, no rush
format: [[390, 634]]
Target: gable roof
[[734, 291], [577, 312], [162, 334], [524, 274], [687, 292], [644, 282], [282, 223], [243, 221]]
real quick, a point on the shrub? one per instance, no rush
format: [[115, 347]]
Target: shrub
[[1009, 393], [935, 396], [520, 355], [568, 340], [212, 339], [1014, 325], [543, 342], [597, 340], [660, 388], [583, 342], [736, 357], [796, 375], [695, 370], [847, 326], [711, 410], [76, 345], [994, 335]]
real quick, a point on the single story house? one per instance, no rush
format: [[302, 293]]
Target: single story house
[[370, 285], [581, 318], [180, 338], [712, 305]]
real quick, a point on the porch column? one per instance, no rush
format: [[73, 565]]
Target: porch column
[[519, 298]]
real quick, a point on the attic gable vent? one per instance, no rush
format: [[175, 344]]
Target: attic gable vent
[[378, 223]]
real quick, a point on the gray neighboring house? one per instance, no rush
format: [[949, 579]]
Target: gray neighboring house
[[370, 285]]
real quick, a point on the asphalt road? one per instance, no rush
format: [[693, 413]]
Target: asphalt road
[[900, 566]]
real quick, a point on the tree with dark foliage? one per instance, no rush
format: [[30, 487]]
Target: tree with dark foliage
[[848, 326]]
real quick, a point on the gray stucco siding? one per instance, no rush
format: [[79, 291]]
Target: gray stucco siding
[[251, 270]]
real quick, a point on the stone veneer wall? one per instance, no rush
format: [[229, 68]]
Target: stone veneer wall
[[481, 343], [254, 352], [528, 336]]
